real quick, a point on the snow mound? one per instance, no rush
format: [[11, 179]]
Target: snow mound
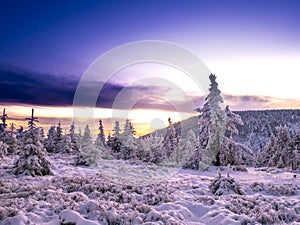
[[69, 216]]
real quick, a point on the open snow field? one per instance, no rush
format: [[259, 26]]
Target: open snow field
[[119, 192]]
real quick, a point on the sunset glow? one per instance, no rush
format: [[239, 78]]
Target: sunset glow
[[43, 58]]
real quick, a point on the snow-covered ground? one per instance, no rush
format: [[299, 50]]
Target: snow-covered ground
[[119, 192]]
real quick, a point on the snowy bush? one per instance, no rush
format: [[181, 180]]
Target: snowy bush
[[225, 185], [265, 210]]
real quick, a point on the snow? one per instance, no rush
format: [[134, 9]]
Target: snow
[[129, 192]]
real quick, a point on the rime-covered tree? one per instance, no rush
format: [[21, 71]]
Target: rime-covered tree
[[204, 123], [278, 151], [282, 152], [90, 155], [65, 145], [32, 159], [212, 123], [265, 156], [11, 141], [12, 127], [115, 142], [231, 120], [50, 142], [32, 120], [108, 142], [232, 152], [149, 149], [73, 137], [169, 145], [59, 131], [217, 118], [100, 141], [3, 149], [295, 142], [190, 151], [3, 118], [128, 142]]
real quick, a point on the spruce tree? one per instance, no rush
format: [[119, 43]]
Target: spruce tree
[[73, 137], [32, 120], [128, 142], [50, 142], [216, 125], [3, 149], [3, 118], [115, 142], [100, 141], [283, 152], [90, 155], [170, 144], [32, 159]]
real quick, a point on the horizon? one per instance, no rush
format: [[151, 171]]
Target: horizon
[[46, 48]]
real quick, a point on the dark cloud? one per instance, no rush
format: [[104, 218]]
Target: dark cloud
[[24, 87], [19, 86]]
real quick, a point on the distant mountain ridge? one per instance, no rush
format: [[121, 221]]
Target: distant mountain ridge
[[257, 128]]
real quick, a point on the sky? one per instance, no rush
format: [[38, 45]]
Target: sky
[[253, 48]]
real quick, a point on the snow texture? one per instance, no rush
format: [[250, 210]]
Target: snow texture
[[97, 195]]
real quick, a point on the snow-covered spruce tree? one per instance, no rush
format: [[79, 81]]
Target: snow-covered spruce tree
[[32, 159], [100, 143], [264, 156], [225, 185], [90, 155], [65, 145], [58, 137], [295, 142], [12, 142], [282, 152], [216, 125], [232, 152], [3, 118], [3, 149], [128, 142], [73, 136], [100, 140], [49, 142], [188, 147], [169, 146], [204, 123], [149, 148], [9, 138], [115, 143]]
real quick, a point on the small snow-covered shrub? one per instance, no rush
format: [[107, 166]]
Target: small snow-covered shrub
[[265, 210], [225, 185], [6, 212], [283, 189], [240, 168], [275, 189]]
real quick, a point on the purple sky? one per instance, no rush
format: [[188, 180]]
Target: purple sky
[[46, 46]]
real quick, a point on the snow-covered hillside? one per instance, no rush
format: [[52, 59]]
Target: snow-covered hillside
[[146, 194]]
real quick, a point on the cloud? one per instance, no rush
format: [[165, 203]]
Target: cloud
[[251, 102], [24, 87], [20, 86]]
